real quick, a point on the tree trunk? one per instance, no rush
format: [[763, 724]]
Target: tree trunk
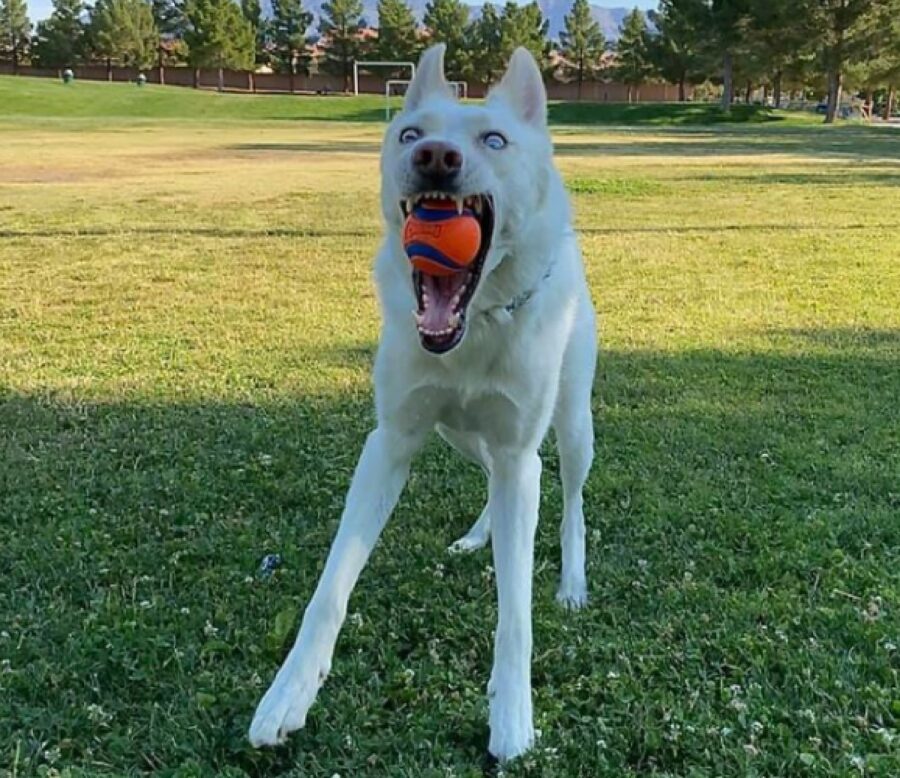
[[765, 97], [748, 93], [292, 78], [15, 58], [776, 88], [251, 81], [727, 80], [160, 67], [889, 102], [221, 84], [868, 105], [196, 78], [835, 83], [682, 91], [630, 93], [108, 69], [580, 79]]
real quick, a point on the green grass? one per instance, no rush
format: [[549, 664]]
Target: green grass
[[187, 324], [87, 99]]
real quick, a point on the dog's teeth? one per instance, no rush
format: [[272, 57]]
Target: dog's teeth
[[453, 321], [410, 204], [459, 204], [418, 317], [476, 205]]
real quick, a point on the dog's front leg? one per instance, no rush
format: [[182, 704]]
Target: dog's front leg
[[514, 492], [379, 478]]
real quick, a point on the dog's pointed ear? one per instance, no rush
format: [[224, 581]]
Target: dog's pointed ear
[[429, 79], [522, 88]]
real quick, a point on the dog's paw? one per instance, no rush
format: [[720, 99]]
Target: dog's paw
[[284, 706], [469, 543], [512, 731], [572, 595]]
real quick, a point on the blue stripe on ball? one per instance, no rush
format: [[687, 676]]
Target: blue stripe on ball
[[430, 252], [437, 214]]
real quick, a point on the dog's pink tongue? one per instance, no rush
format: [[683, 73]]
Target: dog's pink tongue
[[438, 293]]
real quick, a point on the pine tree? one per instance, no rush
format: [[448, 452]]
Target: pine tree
[[447, 21], [290, 21], [59, 41], [582, 41], [484, 40], [339, 23], [632, 60], [524, 26], [677, 51], [251, 10], [217, 35], [123, 31], [15, 31], [398, 37], [495, 35], [168, 16]]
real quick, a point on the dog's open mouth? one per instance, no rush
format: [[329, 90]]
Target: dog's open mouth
[[443, 300]]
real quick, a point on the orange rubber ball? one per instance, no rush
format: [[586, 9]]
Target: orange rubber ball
[[438, 240]]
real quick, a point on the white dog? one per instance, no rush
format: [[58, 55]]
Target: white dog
[[489, 357]]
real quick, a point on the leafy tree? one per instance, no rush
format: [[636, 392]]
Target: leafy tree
[[251, 10], [726, 24], [290, 21], [448, 22], [398, 37], [876, 62], [676, 50], [340, 23], [217, 35], [842, 27], [632, 57], [781, 33], [582, 41], [59, 41], [123, 31], [15, 31]]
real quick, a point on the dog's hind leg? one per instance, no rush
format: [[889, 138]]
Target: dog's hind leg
[[473, 448], [575, 439]]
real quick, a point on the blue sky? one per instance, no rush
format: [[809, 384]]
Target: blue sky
[[40, 9]]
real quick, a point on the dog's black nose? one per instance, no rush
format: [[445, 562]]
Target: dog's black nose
[[437, 161]]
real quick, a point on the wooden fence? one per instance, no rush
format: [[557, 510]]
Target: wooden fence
[[320, 83]]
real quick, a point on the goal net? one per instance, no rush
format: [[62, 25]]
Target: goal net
[[396, 87]]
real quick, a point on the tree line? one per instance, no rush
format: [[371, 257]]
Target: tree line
[[824, 46]]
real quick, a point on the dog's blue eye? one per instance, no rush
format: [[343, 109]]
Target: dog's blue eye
[[493, 140], [410, 134]]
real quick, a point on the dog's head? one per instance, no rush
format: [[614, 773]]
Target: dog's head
[[492, 158]]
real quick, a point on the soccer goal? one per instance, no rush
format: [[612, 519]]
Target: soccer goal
[[398, 86], [357, 64]]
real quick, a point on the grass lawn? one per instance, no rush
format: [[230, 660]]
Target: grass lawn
[[187, 324], [40, 97]]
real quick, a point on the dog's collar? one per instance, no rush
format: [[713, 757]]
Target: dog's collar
[[523, 297]]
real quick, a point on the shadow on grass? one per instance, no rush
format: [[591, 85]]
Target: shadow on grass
[[658, 113], [841, 178], [820, 143], [332, 147], [131, 532]]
